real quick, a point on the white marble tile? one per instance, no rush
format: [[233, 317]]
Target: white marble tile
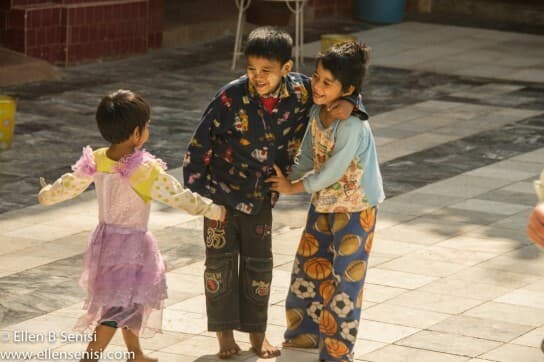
[[380, 293], [531, 339], [526, 259], [492, 207], [509, 313], [397, 279], [529, 75], [392, 247], [383, 332], [514, 353], [409, 233], [489, 89], [501, 172], [505, 279], [184, 322], [465, 186], [44, 232], [456, 256], [440, 303], [522, 186], [363, 346], [471, 288], [402, 315], [449, 343], [480, 328], [195, 305], [202, 347], [422, 266], [396, 353], [480, 244], [523, 297]]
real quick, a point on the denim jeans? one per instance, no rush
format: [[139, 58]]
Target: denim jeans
[[238, 270]]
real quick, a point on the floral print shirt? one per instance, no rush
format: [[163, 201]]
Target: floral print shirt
[[237, 142]]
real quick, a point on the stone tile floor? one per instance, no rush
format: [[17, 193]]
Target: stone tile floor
[[452, 276]]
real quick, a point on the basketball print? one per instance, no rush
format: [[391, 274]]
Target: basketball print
[[317, 268], [308, 245]]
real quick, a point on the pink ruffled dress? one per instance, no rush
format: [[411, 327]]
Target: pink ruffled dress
[[124, 272]]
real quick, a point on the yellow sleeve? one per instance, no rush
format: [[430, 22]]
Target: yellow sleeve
[[143, 178], [64, 188]]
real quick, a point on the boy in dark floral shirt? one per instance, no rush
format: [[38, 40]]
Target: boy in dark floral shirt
[[253, 123]]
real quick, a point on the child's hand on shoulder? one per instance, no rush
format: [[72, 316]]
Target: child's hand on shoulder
[[340, 109]]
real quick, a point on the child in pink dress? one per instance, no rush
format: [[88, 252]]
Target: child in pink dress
[[124, 272]]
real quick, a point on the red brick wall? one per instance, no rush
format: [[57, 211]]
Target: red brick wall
[[72, 31], [155, 23], [327, 8], [96, 31], [44, 33]]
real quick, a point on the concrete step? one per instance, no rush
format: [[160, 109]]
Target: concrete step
[[17, 68], [177, 35]]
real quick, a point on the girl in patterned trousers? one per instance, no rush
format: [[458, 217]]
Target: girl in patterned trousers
[[337, 163]]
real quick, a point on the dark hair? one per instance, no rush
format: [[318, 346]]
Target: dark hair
[[269, 43], [119, 113], [348, 62]]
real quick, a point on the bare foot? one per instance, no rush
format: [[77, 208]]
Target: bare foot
[[227, 345], [142, 358], [261, 347]]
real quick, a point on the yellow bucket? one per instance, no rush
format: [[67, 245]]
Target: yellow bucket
[[7, 121], [328, 40]]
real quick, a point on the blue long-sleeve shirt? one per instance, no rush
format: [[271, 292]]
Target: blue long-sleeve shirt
[[339, 165]]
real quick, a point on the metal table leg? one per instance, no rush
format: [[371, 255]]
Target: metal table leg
[[242, 6]]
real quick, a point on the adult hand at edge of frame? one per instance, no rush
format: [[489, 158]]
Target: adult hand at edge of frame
[[535, 226]]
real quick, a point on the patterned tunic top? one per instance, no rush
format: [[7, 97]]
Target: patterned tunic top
[[346, 174]]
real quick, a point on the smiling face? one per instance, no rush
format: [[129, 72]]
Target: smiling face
[[265, 75], [325, 87]]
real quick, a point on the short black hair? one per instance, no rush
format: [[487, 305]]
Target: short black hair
[[119, 113], [348, 62], [269, 43]]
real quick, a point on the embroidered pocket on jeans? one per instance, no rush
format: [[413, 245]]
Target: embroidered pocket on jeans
[[217, 276], [258, 278]]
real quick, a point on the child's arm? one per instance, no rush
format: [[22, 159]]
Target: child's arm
[[199, 151], [69, 185], [152, 183], [282, 185], [304, 160], [346, 106], [168, 190], [64, 188]]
